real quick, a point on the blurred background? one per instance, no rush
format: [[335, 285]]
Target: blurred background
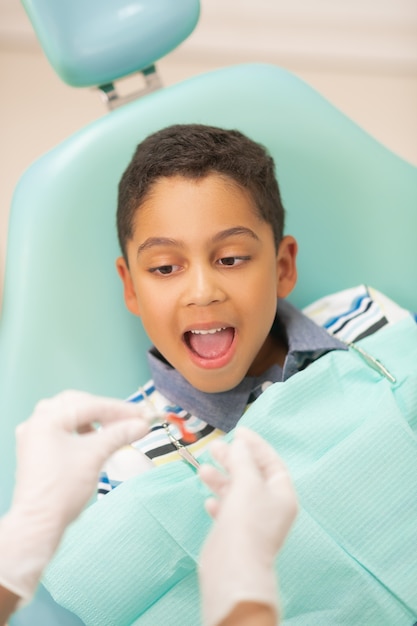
[[361, 55]]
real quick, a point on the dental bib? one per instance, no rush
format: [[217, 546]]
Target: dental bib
[[348, 437]]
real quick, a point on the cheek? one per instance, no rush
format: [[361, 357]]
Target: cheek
[[148, 293], [263, 289], [155, 311]]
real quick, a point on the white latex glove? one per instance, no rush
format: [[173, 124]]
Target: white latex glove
[[254, 510], [57, 473]]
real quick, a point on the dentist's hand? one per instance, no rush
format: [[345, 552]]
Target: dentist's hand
[[59, 457], [253, 512]]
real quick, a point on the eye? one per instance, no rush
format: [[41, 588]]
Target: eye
[[164, 270], [232, 261]]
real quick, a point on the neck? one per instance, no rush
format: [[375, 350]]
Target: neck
[[273, 352]]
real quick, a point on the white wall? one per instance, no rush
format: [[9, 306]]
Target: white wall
[[361, 55]]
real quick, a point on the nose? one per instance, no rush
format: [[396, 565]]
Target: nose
[[203, 287]]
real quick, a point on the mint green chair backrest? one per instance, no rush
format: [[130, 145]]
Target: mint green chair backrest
[[351, 204]]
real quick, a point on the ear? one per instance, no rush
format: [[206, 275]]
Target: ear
[[286, 266], [129, 292]]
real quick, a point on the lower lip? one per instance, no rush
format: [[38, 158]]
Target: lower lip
[[217, 362]]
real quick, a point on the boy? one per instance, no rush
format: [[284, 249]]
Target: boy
[[207, 268]]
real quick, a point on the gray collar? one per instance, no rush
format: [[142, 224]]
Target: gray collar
[[306, 342]]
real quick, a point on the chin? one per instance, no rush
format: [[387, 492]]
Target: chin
[[215, 386]]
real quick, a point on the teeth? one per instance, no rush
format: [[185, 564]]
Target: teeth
[[207, 332]]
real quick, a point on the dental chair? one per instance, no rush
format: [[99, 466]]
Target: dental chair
[[351, 204]]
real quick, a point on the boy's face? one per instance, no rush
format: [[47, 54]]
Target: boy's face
[[204, 276]]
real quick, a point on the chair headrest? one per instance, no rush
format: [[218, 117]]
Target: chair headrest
[[96, 42]]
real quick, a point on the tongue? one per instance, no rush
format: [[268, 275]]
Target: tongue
[[213, 345]]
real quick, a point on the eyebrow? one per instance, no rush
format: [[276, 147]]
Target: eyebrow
[[152, 242], [236, 230]]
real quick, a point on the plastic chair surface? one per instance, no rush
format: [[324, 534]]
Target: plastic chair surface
[[350, 202], [99, 41]]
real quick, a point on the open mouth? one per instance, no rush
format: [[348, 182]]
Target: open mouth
[[210, 344]]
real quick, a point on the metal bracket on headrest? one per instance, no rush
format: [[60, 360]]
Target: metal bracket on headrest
[[113, 99]]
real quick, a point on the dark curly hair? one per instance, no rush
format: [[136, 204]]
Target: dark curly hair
[[194, 151]]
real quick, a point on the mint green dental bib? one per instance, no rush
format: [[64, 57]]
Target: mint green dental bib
[[348, 436]]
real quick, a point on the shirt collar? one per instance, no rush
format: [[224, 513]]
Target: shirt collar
[[306, 342]]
